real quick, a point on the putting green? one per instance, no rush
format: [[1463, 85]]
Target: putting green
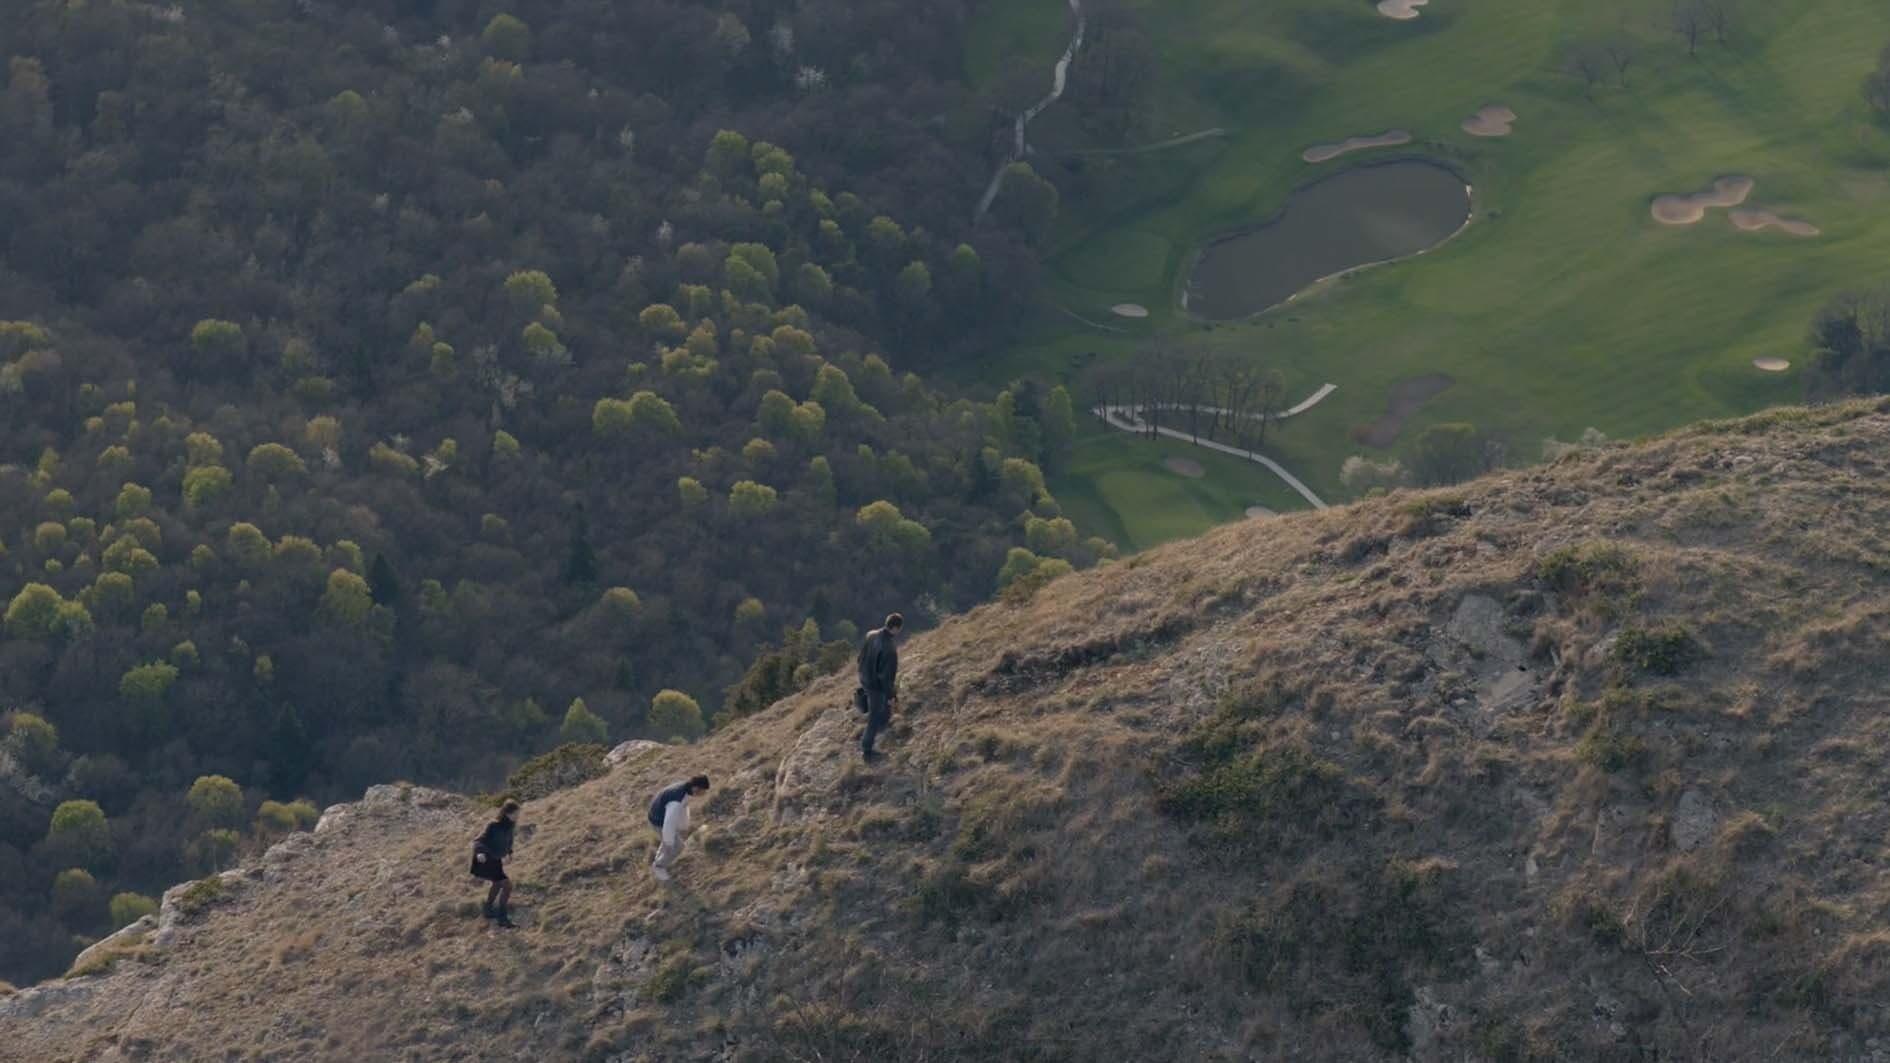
[[1565, 305], [1120, 487], [1131, 260]]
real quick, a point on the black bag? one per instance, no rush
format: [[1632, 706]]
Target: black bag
[[859, 700]]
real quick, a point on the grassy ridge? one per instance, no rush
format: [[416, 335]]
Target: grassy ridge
[[1565, 306]]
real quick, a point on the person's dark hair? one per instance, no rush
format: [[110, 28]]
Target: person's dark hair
[[894, 622], [509, 808], [700, 782]]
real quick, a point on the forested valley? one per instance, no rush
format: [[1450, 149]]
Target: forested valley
[[403, 389]]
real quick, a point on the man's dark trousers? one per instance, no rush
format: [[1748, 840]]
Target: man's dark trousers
[[878, 715]]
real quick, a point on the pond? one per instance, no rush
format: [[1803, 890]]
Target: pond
[[1351, 219]]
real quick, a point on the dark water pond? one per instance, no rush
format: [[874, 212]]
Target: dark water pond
[[1350, 219]]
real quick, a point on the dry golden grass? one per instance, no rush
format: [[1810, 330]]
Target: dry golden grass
[[1272, 794]]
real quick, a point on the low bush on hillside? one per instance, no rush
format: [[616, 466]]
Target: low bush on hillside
[[1666, 650], [199, 896], [1595, 571], [1268, 797], [672, 979], [562, 768], [1374, 924]]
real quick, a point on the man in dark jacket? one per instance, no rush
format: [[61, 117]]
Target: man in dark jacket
[[879, 678], [491, 848], [669, 814]]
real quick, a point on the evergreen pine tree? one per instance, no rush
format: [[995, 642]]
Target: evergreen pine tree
[[580, 564], [383, 583], [289, 751]]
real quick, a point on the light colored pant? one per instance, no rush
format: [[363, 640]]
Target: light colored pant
[[675, 829]]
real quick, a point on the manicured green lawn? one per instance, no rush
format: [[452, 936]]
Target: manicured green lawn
[[1007, 32], [1564, 305], [1118, 487]]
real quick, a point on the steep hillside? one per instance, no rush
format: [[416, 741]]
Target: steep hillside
[[1578, 762]]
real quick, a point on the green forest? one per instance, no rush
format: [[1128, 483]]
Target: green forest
[[402, 389]]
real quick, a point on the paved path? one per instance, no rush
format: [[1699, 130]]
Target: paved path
[[1308, 403], [1059, 80], [1129, 419], [1161, 145]]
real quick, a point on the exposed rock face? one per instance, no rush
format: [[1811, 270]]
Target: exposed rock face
[[1478, 642], [132, 933], [623, 752], [23, 784], [1693, 821], [1340, 786]]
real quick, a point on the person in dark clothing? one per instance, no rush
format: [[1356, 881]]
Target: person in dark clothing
[[669, 814], [490, 849], [879, 679]]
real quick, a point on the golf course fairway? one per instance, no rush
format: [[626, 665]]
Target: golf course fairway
[[1564, 305]]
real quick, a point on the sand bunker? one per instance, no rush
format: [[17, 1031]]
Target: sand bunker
[[1407, 397], [1327, 152], [1491, 121], [1771, 365], [1185, 467], [1134, 310], [1753, 219], [1259, 513], [1688, 210], [1400, 9]]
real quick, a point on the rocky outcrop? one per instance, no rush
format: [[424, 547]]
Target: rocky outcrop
[[625, 752], [23, 784], [1478, 642]]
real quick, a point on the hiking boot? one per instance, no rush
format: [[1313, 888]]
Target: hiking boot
[[660, 874], [504, 920]]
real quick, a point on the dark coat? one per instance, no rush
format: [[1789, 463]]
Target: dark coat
[[879, 663], [496, 841]]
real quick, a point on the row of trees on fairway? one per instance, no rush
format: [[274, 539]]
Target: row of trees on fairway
[[507, 378], [1595, 58], [1224, 397], [1232, 398]]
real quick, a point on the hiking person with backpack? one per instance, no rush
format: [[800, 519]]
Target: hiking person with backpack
[[490, 849], [878, 694], [669, 814]]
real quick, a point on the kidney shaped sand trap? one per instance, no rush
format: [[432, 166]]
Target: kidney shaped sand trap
[[1400, 9], [1727, 192], [1689, 210], [1390, 138], [1492, 121], [1771, 365], [1753, 219], [1129, 310]]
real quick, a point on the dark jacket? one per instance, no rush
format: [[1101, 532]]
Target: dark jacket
[[497, 839], [668, 796], [879, 663]]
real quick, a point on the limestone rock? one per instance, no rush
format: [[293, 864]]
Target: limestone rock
[[1694, 821], [29, 787], [122, 938], [810, 773], [30, 1003], [1477, 640], [626, 750], [1428, 1021]]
